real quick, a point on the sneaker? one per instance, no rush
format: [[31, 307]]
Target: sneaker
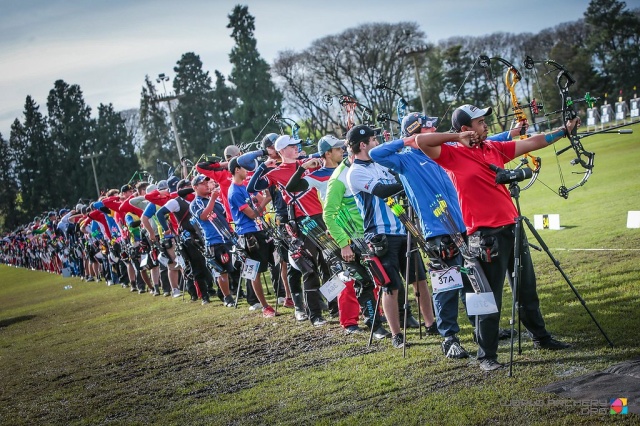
[[353, 329], [109, 283], [133, 289], [205, 301], [432, 330], [398, 341], [281, 300], [268, 312], [319, 322], [551, 344], [166, 294], [288, 303], [142, 291], [452, 349], [229, 302], [176, 292], [155, 291], [124, 285], [255, 307], [411, 322], [381, 333], [89, 279], [490, 364], [301, 316]]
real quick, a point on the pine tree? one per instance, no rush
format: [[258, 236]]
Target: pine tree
[[194, 110], [118, 160], [71, 128], [258, 97], [224, 102], [8, 189]]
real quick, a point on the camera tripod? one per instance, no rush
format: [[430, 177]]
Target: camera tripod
[[514, 190]]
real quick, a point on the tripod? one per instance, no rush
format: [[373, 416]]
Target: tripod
[[514, 190]]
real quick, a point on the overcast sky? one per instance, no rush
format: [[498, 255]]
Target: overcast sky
[[107, 47]]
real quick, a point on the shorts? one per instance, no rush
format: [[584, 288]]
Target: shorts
[[395, 262], [264, 252]]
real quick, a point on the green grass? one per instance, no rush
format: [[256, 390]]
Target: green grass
[[101, 355]]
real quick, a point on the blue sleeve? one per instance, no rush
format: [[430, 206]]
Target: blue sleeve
[[149, 211], [248, 160], [501, 137], [386, 155], [161, 215], [98, 204], [257, 183]]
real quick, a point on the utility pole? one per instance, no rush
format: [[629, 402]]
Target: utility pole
[[168, 97], [230, 130], [93, 156], [413, 52]]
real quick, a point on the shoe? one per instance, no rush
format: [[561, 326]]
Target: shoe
[[142, 291], [268, 312], [452, 349], [504, 333], [194, 299], [398, 341], [319, 322], [205, 301], [551, 344], [490, 364], [411, 322], [133, 289], [432, 330], [255, 307], [176, 292], [288, 302], [381, 333], [301, 316], [353, 329], [166, 294], [109, 283], [281, 300], [124, 285], [229, 302], [156, 291], [89, 279]]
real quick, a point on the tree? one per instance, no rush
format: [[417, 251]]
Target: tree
[[194, 111], [614, 39], [71, 130], [158, 144], [9, 218], [118, 160], [258, 97], [224, 101]]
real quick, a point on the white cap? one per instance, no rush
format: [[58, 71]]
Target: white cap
[[284, 141]]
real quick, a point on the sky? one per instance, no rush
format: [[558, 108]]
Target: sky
[[107, 47]]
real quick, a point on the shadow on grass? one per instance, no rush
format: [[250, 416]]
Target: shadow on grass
[[10, 321]]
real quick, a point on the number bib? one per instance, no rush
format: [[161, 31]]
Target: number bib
[[448, 280]]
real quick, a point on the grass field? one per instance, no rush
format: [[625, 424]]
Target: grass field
[[101, 355]]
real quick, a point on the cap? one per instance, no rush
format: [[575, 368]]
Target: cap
[[360, 133], [126, 188], [231, 151], [463, 115], [62, 212], [162, 185], [79, 207], [284, 141], [268, 140], [152, 187], [199, 179], [173, 181], [182, 183], [233, 165], [328, 142], [413, 122]]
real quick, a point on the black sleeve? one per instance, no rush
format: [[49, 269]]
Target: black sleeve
[[185, 191], [386, 190], [296, 183], [211, 166]]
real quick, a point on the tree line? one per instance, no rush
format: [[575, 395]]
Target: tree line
[[359, 74]]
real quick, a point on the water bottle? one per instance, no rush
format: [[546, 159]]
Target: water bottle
[[67, 287]]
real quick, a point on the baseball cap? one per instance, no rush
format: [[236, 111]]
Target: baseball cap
[[182, 183], [463, 115], [414, 121], [233, 165], [231, 151], [161, 185], [152, 187], [172, 182], [361, 133], [198, 179], [125, 188], [284, 141], [328, 142], [268, 140]]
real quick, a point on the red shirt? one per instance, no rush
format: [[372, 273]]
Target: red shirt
[[483, 202], [307, 202]]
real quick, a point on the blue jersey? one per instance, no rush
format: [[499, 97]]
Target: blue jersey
[[362, 178], [238, 200], [423, 179], [211, 233]]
